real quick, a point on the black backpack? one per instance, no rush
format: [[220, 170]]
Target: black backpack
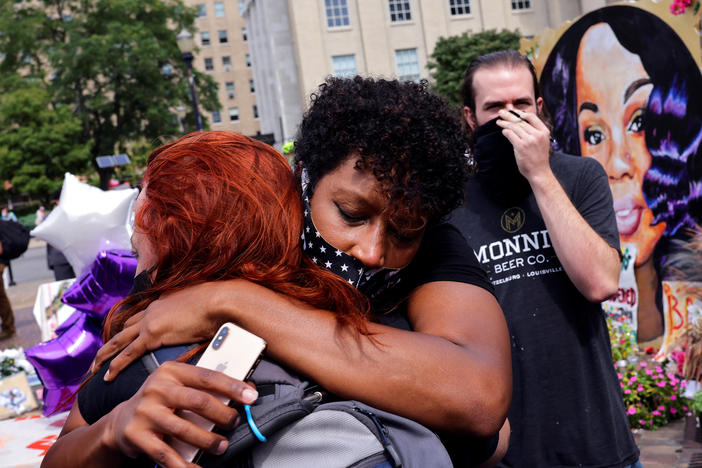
[[14, 238]]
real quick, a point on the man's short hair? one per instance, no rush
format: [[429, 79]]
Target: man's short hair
[[504, 58]]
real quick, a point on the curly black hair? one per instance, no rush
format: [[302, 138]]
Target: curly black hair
[[410, 139]]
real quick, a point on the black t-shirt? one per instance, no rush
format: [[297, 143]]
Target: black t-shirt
[[443, 255], [567, 407]]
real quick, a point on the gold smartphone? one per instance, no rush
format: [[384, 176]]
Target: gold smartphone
[[233, 351]]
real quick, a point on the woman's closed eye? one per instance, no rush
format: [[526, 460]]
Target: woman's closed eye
[[350, 216]]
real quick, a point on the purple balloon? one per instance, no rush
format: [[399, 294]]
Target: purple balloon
[[66, 324], [108, 280], [57, 400], [62, 363]]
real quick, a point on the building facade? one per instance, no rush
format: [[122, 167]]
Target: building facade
[[223, 53], [295, 44]]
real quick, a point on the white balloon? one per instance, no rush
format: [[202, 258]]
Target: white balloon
[[88, 220]]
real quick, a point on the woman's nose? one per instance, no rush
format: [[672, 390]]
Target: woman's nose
[[621, 161], [370, 249]]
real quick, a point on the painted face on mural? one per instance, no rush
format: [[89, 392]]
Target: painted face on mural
[[612, 93]]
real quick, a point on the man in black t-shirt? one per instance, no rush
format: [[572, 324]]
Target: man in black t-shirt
[[542, 225]]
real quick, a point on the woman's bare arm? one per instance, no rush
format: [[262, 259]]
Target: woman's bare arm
[[452, 373]]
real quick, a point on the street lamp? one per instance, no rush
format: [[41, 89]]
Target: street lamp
[[186, 44]]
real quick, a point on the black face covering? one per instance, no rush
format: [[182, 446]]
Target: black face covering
[[142, 282], [498, 172]]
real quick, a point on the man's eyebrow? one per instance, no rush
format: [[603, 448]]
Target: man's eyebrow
[[587, 105], [634, 86], [492, 103]]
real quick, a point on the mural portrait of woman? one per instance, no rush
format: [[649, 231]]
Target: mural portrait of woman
[[623, 88]]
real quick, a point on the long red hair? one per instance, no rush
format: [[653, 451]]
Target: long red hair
[[221, 205]]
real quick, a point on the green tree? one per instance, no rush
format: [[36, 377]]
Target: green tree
[[37, 140], [452, 55], [114, 62]]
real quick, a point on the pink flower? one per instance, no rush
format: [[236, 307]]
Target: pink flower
[[632, 380], [649, 372], [643, 364], [673, 411], [659, 370], [683, 383], [656, 413], [631, 410], [661, 408], [639, 388], [677, 8], [684, 408], [673, 397], [642, 422], [620, 376], [627, 391], [661, 383]]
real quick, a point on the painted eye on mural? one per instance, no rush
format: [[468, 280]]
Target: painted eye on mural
[[593, 135], [636, 122]]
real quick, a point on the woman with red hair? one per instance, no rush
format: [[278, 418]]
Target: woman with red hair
[[214, 206]]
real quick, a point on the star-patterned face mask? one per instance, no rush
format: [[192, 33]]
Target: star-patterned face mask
[[369, 281]]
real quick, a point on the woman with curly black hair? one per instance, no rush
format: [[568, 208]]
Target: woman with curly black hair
[[381, 163]]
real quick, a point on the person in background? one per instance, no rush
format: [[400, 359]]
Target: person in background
[[6, 314], [55, 259], [40, 215], [542, 225], [8, 215]]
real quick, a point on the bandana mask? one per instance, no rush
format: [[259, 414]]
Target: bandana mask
[[496, 164], [370, 281]]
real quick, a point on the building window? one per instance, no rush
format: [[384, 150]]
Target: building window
[[201, 10], [337, 13], [252, 88], [219, 9], [244, 36], [204, 38], [459, 7], [216, 116], [521, 4], [227, 63], [407, 65], [233, 114], [344, 66], [222, 33], [399, 10], [248, 60], [209, 64], [255, 111], [229, 85]]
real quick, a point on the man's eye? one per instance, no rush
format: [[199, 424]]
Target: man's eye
[[637, 122], [593, 136]]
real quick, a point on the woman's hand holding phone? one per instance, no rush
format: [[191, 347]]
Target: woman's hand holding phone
[[140, 424]]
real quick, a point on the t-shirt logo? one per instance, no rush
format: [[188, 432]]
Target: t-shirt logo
[[513, 219]]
